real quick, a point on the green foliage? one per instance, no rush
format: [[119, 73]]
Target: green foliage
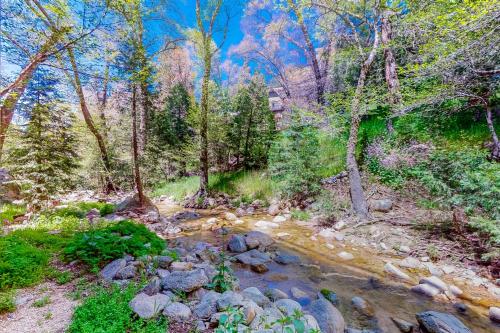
[[80, 210], [41, 302], [9, 211], [301, 215], [107, 311], [178, 189], [230, 320], [224, 279], [7, 301], [99, 246], [293, 161]]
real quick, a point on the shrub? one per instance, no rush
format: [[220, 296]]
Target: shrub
[[96, 247], [293, 161], [224, 279], [7, 302], [107, 311], [9, 211], [79, 210]]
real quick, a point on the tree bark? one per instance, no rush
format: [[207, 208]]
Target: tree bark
[[135, 148], [495, 151], [358, 199], [103, 100], [391, 75], [15, 90], [109, 186], [318, 77], [204, 120]]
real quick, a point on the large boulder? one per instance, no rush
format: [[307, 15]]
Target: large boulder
[[438, 322], [382, 205], [237, 244], [255, 259], [257, 239], [229, 299], [186, 281], [110, 270], [329, 319], [132, 203], [8, 190], [146, 306]]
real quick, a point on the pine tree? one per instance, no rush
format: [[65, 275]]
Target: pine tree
[[44, 161]]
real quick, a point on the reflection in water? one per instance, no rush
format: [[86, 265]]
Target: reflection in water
[[321, 269]]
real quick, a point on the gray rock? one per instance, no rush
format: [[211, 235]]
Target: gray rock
[[286, 258], [146, 306], [362, 306], [207, 306], [109, 271], [127, 272], [164, 261], [229, 299], [298, 293], [237, 244], [250, 310], [273, 210], [460, 307], [403, 325], [383, 205], [153, 287], [132, 202], [257, 239], [177, 312], [162, 273], [276, 294], [435, 282], [396, 272], [185, 216], [494, 313], [287, 306], [311, 323], [265, 319], [186, 281], [181, 266], [329, 319], [255, 295], [329, 296], [425, 289], [255, 259], [438, 322]]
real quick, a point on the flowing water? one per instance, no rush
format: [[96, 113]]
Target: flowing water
[[321, 268]]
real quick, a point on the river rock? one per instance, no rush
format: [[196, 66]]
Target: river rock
[[207, 306], [229, 299], [383, 205], [255, 295], [185, 216], [286, 258], [393, 270], [403, 325], [133, 202], [438, 322], [162, 273], [298, 293], [411, 262], [327, 233], [250, 310], [276, 294], [146, 306], [153, 286], [288, 306], [425, 289], [329, 319], [230, 216], [273, 210], [435, 282], [181, 266], [164, 261], [279, 219], [177, 312], [494, 314], [257, 239], [266, 224], [255, 259], [127, 272], [329, 296], [362, 306], [345, 255], [310, 323], [237, 244], [186, 281], [240, 212], [109, 271], [266, 318]]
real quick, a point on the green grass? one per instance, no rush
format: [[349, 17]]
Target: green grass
[[79, 210], [107, 311], [7, 301], [300, 215], [40, 303], [9, 211]]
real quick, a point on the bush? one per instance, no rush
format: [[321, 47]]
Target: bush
[[107, 311], [7, 302], [80, 210], [293, 161], [99, 246]]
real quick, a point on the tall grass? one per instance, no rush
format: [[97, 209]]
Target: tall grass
[[9, 211]]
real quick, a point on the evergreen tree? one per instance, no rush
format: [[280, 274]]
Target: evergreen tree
[[45, 159]]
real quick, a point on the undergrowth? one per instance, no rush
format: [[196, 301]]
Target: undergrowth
[[9, 211]]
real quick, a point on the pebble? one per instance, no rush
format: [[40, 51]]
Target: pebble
[[266, 224], [410, 262], [393, 270], [460, 307], [330, 246], [345, 255], [298, 293], [455, 290], [425, 289], [404, 249], [435, 282], [403, 325], [495, 314], [279, 219], [283, 235]]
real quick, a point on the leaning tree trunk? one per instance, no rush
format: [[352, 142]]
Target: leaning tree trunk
[[135, 148], [204, 125], [109, 186], [357, 195], [391, 75], [495, 151], [15, 90]]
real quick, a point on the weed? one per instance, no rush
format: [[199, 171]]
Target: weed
[[7, 301], [40, 303], [224, 279], [433, 252], [301, 215], [48, 316]]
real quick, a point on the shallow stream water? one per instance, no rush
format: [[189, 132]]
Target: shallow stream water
[[321, 268]]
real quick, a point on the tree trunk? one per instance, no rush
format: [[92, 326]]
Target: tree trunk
[[103, 100], [320, 84], [391, 75], [204, 121], [135, 148], [109, 187], [143, 118], [495, 150], [358, 200], [247, 137], [17, 88]]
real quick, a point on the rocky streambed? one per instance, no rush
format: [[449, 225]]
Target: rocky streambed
[[282, 266]]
